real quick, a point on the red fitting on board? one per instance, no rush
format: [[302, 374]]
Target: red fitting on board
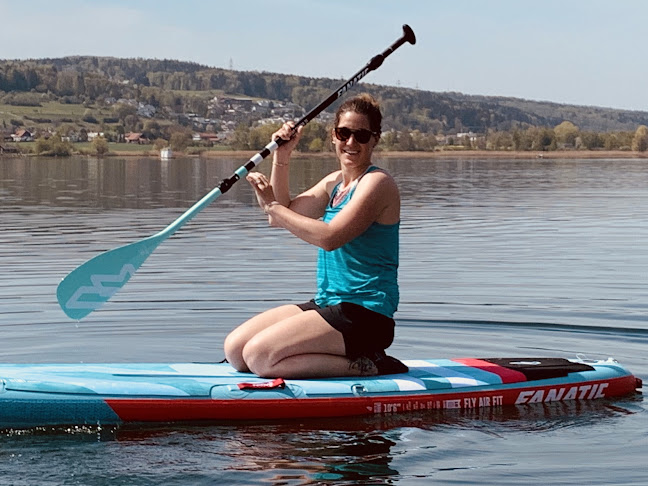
[[277, 383]]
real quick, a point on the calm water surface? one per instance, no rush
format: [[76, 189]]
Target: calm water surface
[[499, 258]]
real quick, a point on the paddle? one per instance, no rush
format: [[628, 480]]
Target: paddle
[[88, 286]]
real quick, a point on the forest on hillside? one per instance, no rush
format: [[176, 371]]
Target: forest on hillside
[[414, 118]]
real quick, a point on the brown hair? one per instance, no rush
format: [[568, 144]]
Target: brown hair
[[364, 104]]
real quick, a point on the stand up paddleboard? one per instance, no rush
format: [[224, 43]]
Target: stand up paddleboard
[[112, 394]]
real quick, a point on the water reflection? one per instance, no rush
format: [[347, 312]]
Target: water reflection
[[499, 258], [366, 450], [545, 241], [129, 182], [289, 453], [149, 182]]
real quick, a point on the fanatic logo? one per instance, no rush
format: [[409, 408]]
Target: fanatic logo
[[98, 289]]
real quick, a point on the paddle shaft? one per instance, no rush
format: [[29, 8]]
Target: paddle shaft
[[91, 284], [226, 184]]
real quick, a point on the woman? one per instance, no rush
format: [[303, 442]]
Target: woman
[[353, 216]]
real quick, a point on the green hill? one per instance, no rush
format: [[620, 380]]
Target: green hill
[[80, 90]]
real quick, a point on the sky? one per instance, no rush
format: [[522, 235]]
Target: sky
[[583, 52]]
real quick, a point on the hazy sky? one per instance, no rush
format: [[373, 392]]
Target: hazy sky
[[586, 52]]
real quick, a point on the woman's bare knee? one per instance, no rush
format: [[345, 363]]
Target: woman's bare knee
[[233, 348], [257, 357], [238, 339]]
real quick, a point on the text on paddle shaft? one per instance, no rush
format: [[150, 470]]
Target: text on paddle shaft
[[349, 84]]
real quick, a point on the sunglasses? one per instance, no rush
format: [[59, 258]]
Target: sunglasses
[[361, 136]]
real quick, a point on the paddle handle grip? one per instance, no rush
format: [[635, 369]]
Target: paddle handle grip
[[373, 64]]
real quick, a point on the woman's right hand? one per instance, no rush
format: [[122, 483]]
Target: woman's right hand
[[285, 132]]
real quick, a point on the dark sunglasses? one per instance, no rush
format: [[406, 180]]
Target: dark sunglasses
[[361, 136]]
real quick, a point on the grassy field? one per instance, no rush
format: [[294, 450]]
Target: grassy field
[[121, 147], [85, 148], [52, 109], [57, 112], [51, 113], [34, 116]]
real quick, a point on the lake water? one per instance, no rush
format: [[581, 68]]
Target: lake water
[[499, 258]]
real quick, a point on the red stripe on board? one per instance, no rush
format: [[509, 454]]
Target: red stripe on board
[[187, 409], [507, 375]]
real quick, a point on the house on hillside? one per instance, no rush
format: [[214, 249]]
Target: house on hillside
[[145, 110], [137, 138], [93, 135], [23, 136], [207, 138], [288, 111], [472, 137]]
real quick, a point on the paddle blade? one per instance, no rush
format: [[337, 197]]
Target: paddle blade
[[88, 286]]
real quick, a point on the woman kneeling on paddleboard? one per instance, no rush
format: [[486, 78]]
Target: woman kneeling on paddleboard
[[353, 216]]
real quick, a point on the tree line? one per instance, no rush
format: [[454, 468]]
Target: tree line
[[413, 119], [316, 137]]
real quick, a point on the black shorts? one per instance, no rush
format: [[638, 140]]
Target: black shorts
[[363, 330]]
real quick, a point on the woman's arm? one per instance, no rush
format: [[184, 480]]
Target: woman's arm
[[279, 177], [310, 203], [376, 199]]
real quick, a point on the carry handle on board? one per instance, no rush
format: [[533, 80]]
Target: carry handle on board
[[91, 284]]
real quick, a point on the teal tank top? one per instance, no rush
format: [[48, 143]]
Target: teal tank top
[[365, 270]]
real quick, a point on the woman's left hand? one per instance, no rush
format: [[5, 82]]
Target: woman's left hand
[[262, 189]]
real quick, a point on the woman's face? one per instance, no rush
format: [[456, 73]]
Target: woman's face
[[352, 153]]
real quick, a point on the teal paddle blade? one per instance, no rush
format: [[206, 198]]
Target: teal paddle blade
[[87, 287]]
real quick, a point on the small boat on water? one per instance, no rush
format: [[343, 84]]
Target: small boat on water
[[34, 395], [166, 153]]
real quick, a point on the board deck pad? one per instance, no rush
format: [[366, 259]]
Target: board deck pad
[[65, 394], [530, 368]]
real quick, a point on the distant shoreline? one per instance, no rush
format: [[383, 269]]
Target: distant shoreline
[[465, 154], [437, 154]]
